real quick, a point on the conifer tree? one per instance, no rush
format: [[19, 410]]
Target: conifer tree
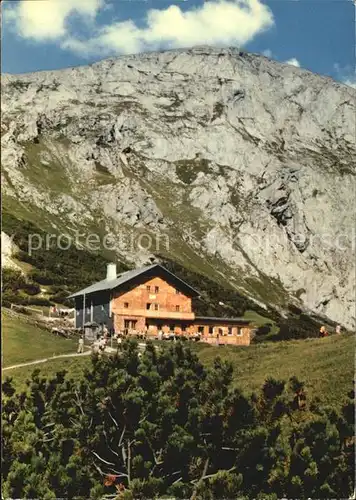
[[139, 426]]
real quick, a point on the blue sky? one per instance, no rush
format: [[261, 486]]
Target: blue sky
[[318, 35]]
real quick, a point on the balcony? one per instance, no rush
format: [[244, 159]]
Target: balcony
[[190, 316], [150, 313]]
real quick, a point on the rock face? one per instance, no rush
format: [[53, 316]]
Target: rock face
[[245, 165], [8, 249]]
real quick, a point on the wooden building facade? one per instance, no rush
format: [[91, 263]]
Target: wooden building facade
[[152, 299]]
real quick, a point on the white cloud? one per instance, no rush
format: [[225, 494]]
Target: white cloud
[[267, 53], [123, 38], [350, 82], [293, 62], [220, 22], [46, 20], [345, 74]]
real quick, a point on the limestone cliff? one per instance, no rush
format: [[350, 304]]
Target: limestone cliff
[[245, 164]]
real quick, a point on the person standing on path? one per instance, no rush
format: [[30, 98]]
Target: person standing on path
[[81, 344]]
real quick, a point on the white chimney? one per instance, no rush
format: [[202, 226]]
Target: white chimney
[[111, 271]]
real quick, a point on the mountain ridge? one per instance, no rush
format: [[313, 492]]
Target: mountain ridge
[[198, 49], [239, 160]]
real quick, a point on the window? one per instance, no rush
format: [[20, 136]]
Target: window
[[126, 305], [239, 331], [211, 330], [200, 329], [148, 288], [129, 324], [177, 308], [229, 330], [156, 289], [156, 306], [148, 305]]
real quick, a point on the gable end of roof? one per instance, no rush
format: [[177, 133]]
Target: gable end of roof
[[128, 276]]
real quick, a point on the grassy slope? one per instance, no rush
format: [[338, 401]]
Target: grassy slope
[[258, 320], [74, 367], [22, 342], [325, 365]]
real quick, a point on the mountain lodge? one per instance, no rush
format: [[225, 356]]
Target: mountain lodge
[[152, 299]]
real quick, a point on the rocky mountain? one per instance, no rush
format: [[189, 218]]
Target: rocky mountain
[[232, 164], [8, 250]]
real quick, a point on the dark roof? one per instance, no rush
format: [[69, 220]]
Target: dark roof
[[128, 276], [220, 319]]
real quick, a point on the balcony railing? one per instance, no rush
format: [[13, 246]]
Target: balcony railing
[[151, 313]]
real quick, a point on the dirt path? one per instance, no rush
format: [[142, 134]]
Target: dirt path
[[44, 360], [108, 350]]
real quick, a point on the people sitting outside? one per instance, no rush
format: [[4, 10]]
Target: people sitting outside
[[323, 332], [96, 347], [102, 343]]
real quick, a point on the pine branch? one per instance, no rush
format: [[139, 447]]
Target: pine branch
[[199, 482], [51, 424], [129, 462], [101, 459], [108, 445], [208, 476], [112, 418], [78, 402], [122, 435], [47, 440], [177, 480], [118, 473], [99, 470]]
